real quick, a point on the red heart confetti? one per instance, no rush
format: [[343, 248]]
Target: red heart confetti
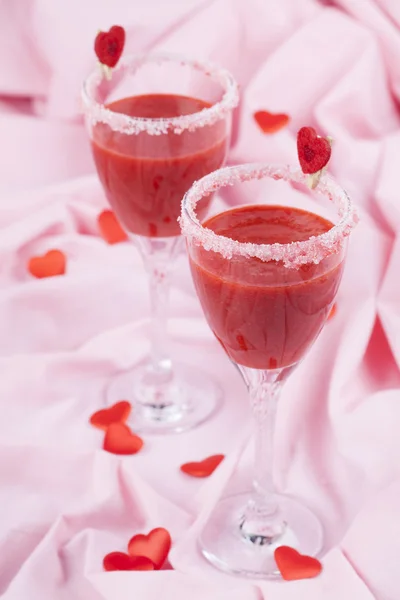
[[119, 439], [110, 228], [109, 45], [119, 561], [118, 413], [154, 546], [314, 151], [332, 312], [270, 122], [49, 265], [203, 468], [293, 565]]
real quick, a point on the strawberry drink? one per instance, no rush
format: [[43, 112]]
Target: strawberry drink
[[157, 123], [266, 274]]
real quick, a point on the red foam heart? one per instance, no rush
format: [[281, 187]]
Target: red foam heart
[[293, 565], [109, 45], [203, 468], [119, 561], [270, 122], [119, 439], [155, 546], [110, 228], [118, 413], [49, 265], [314, 151]]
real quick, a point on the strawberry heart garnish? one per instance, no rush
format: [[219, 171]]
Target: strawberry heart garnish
[[314, 151], [109, 45], [203, 468], [119, 561], [118, 413], [49, 265], [119, 439], [293, 565], [270, 122], [110, 228], [154, 546]]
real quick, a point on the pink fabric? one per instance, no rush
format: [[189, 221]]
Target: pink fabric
[[66, 503]]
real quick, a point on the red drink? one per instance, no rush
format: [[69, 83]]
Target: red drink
[[146, 176], [265, 315]]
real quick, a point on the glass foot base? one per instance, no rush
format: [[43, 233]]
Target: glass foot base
[[227, 547], [187, 399]]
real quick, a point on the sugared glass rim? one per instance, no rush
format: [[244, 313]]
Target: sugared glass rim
[[294, 254], [98, 113]]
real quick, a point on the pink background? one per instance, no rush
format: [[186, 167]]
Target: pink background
[[64, 502]]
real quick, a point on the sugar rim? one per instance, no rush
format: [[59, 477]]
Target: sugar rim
[[98, 113], [293, 255]]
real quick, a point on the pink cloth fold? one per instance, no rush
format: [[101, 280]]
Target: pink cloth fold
[[65, 502]]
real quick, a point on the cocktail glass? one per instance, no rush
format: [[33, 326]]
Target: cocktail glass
[[160, 123], [266, 276]]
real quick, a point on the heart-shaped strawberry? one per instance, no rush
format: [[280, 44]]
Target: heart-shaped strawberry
[[109, 45], [110, 228], [203, 468], [49, 265], [119, 439], [155, 546], [119, 561], [270, 122], [314, 151], [293, 565], [118, 413]]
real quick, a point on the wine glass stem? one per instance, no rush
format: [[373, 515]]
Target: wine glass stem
[[264, 399], [159, 296], [262, 522], [159, 256]]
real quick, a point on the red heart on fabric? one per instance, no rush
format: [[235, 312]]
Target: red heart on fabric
[[314, 151], [119, 439], [293, 565], [203, 468], [49, 265], [119, 561], [333, 312], [118, 413], [155, 546], [109, 45], [110, 228], [270, 122]]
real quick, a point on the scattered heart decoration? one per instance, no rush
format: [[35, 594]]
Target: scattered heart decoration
[[109, 46], [333, 312], [118, 413], [270, 122], [51, 264], [119, 439], [119, 561], [293, 565], [203, 468], [314, 153], [155, 546], [110, 228]]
